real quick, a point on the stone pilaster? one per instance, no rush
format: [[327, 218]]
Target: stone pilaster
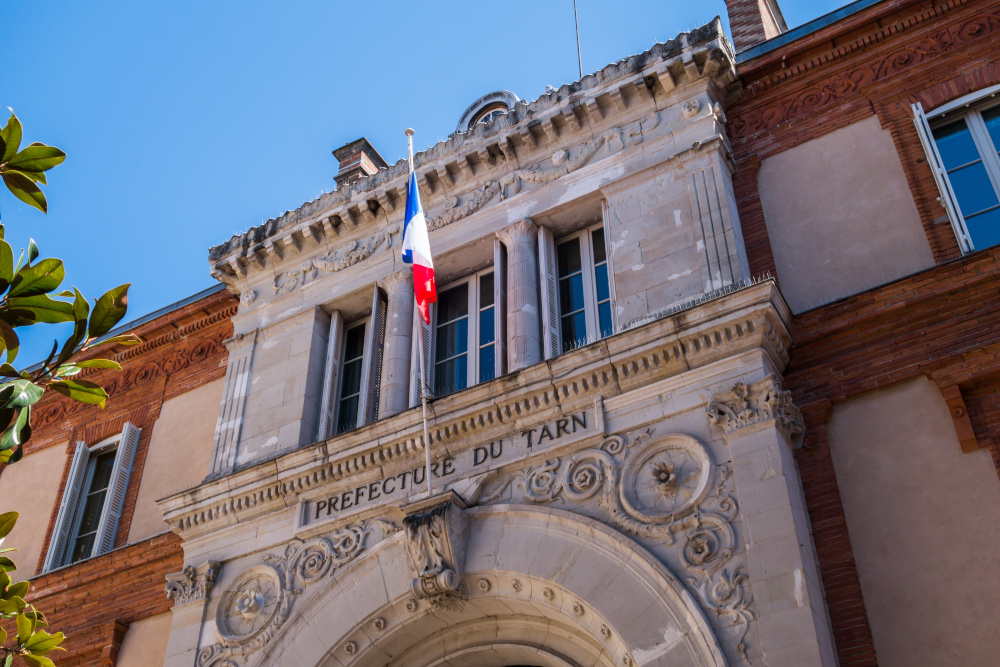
[[395, 380], [762, 426], [524, 345], [189, 590], [234, 396]]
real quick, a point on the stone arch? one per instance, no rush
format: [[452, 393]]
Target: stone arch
[[541, 586]]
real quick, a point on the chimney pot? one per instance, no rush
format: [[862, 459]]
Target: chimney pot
[[358, 159], [754, 21]]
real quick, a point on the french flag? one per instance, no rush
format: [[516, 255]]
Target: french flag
[[417, 250]]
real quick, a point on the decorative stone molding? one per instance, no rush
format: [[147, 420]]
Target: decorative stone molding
[[524, 230], [757, 403], [455, 210], [435, 543], [191, 584], [258, 603], [399, 280]]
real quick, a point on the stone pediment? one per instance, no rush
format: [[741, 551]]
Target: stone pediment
[[535, 143]]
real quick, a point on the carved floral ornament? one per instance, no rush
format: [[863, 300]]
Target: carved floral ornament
[[191, 584], [757, 403]]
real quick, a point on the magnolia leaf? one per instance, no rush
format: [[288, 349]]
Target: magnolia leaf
[[11, 606], [17, 433], [37, 157], [68, 370], [25, 311], [12, 344], [11, 135], [24, 629], [25, 393], [38, 617], [25, 189], [3, 636], [81, 390], [32, 250], [7, 565], [99, 363], [41, 278], [122, 339], [6, 265], [18, 590], [11, 456], [9, 660], [33, 176], [108, 311], [42, 642], [39, 660], [7, 521]]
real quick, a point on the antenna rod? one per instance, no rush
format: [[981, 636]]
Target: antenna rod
[[579, 56]]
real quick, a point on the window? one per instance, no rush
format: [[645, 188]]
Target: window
[[962, 141], [92, 501], [464, 335], [584, 294], [353, 370]]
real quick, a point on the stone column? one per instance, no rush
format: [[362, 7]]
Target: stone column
[[395, 380], [189, 590], [762, 426], [524, 344]]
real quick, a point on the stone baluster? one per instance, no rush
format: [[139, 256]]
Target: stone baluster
[[394, 393], [524, 346]]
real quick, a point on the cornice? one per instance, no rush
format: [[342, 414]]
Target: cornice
[[471, 162], [753, 318]]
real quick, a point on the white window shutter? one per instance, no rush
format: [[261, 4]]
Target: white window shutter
[[936, 164], [421, 333], [114, 501], [334, 355], [500, 306], [373, 346], [67, 509], [548, 283]]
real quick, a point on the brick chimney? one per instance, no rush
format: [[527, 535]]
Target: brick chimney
[[753, 21], [358, 159]]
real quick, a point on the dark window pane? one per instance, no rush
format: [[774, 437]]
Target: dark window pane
[[452, 339], [102, 471], [453, 304], [569, 257], [599, 253], [347, 419], [82, 548], [955, 144], [486, 326], [354, 346], [487, 363], [601, 277], [984, 229], [352, 379], [92, 506], [992, 118], [973, 189], [571, 294], [451, 376], [604, 315], [486, 290], [574, 331]]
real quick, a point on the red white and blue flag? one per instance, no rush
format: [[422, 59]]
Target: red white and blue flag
[[417, 250]]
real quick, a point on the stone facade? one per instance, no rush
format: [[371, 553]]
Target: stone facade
[[716, 476]]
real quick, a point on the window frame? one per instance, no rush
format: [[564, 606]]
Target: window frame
[[366, 360], [588, 269], [103, 447], [473, 347], [969, 108]]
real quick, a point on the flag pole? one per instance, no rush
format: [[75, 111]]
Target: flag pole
[[420, 346]]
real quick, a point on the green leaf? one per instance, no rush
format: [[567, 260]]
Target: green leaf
[[11, 343], [6, 265], [42, 642], [37, 157], [24, 629], [108, 311], [28, 310], [18, 590], [11, 135], [122, 339], [9, 660], [81, 390], [40, 278], [7, 565], [17, 433], [33, 176], [18, 452], [39, 660], [25, 393], [68, 370], [25, 189], [3, 636], [7, 521], [32, 251], [99, 363], [38, 617]]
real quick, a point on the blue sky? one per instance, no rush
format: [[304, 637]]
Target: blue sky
[[185, 123]]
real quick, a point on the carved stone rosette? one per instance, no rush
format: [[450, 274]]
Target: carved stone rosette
[[762, 401], [435, 543], [255, 607], [191, 584]]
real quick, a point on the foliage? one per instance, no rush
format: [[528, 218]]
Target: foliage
[[28, 296]]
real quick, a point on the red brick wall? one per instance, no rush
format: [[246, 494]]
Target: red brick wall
[[942, 322]]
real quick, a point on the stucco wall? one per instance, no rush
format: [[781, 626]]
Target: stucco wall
[[30, 488], [180, 452], [840, 216], [924, 522], [145, 643]]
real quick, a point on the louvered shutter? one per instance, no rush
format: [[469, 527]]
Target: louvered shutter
[[68, 507], [334, 355], [421, 333], [373, 347], [548, 284], [948, 199], [500, 305], [117, 487]]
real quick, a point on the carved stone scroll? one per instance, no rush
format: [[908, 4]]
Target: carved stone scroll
[[749, 405], [435, 543], [191, 584]]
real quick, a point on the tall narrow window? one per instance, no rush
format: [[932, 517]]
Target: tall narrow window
[[464, 334], [352, 370], [487, 329], [584, 292], [92, 505]]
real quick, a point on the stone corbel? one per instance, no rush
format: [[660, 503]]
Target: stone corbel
[[436, 534], [109, 654], [960, 417], [191, 584], [749, 405]]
